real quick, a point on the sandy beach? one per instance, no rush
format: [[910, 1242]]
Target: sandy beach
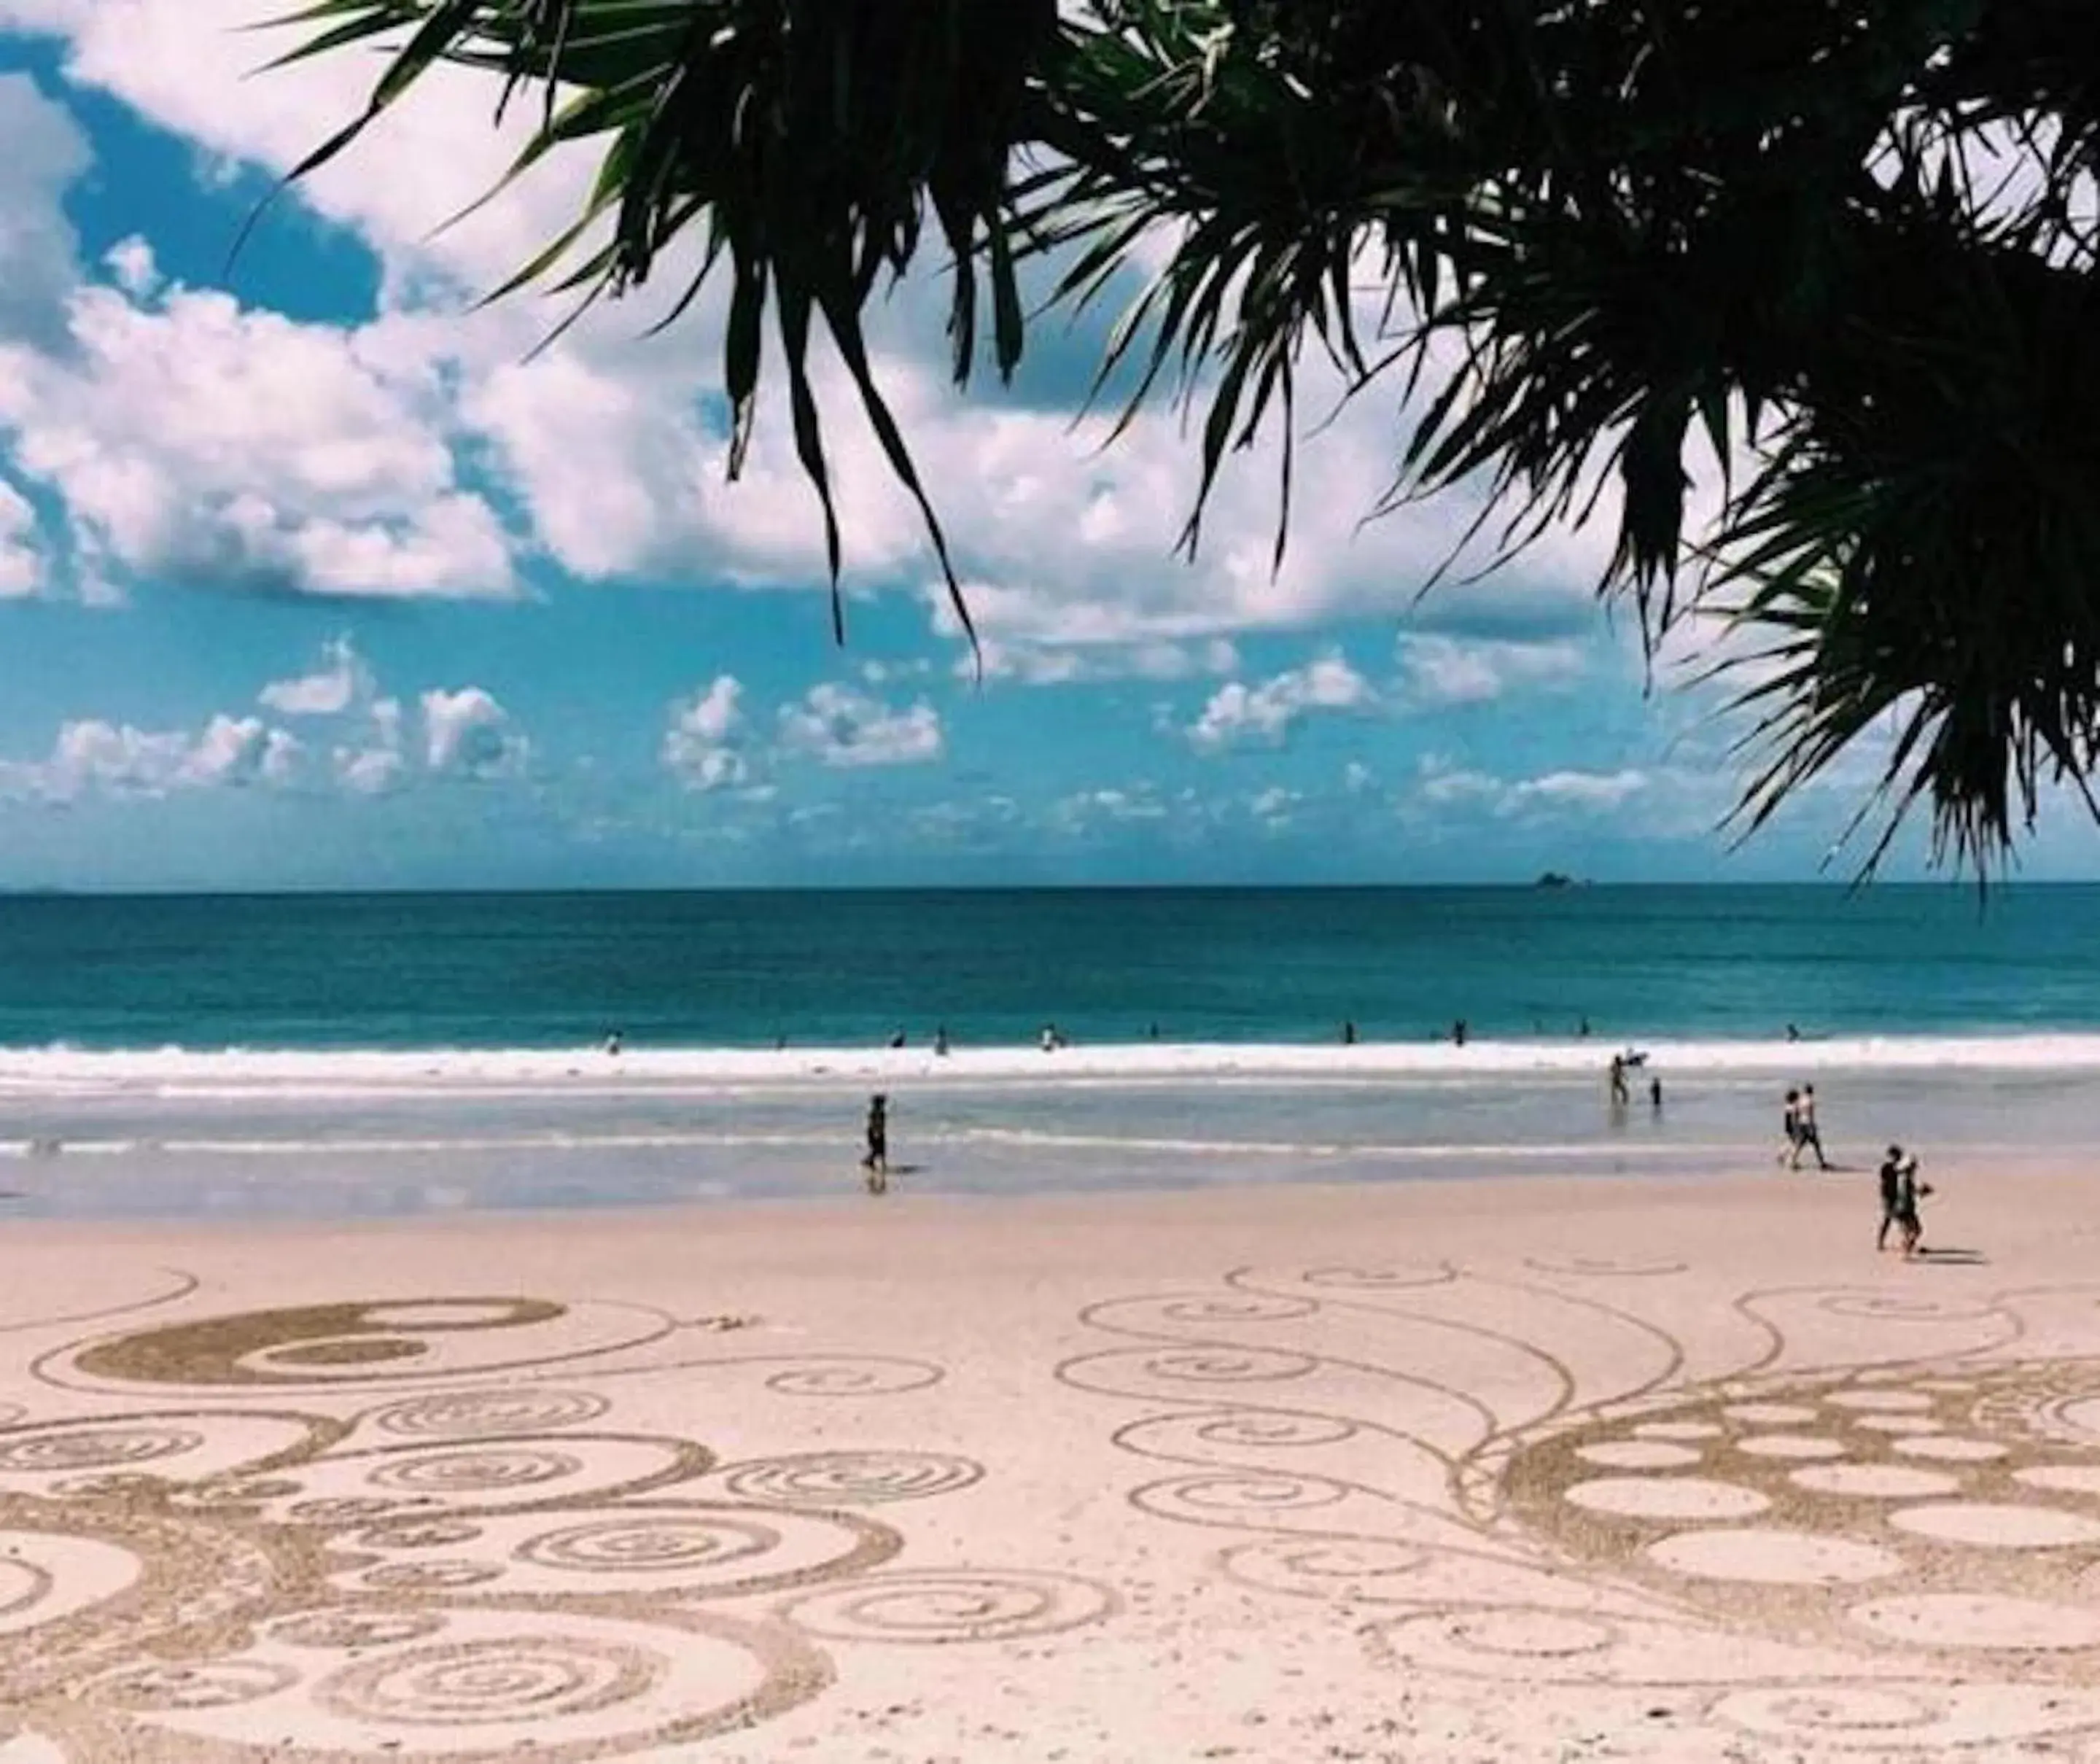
[[1550, 1470]]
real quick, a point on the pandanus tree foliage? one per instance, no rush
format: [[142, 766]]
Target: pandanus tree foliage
[[1826, 266]]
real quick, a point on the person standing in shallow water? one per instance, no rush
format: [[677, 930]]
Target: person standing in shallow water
[[1620, 1095], [876, 1162]]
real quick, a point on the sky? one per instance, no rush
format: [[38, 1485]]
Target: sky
[[315, 572]]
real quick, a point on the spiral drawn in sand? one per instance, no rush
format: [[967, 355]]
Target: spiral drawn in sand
[[1906, 1307], [853, 1378], [419, 1534], [1220, 1365], [93, 1449], [341, 1630], [526, 1677], [1358, 1570], [1211, 1308], [851, 1478], [1396, 1278], [1249, 1495], [654, 1543], [1604, 1267], [164, 1687], [481, 1471], [430, 1576], [1269, 1429], [1524, 1634], [936, 1607], [475, 1415]]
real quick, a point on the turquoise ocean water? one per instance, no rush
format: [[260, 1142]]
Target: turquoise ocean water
[[392, 1054], [724, 970]]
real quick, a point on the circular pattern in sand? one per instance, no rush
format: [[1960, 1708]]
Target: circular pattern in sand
[[1237, 1307], [1980, 1621], [1898, 1423], [102, 1448], [1991, 1525], [474, 1415], [166, 1686], [1228, 1365], [1637, 1454], [475, 1470], [1773, 1558], [936, 1606], [535, 1677], [865, 1376], [1770, 1414], [1876, 1482], [1658, 1497], [1796, 1448], [656, 1543], [1948, 1449], [852, 1479], [1678, 1430], [1227, 1494], [2061, 1479]]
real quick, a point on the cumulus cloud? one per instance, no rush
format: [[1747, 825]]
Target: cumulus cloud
[[841, 726], [341, 680], [1437, 671], [375, 761], [611, 445], [91, 755], [702, 746], [1239, 715], [23, 565], [467, 734], [194, 440], [1445, 784]]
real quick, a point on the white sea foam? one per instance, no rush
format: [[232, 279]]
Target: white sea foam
[[236, 1074]]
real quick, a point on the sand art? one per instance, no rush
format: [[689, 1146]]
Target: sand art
[[363, 1530], [1539, 1482], [456, 1574]]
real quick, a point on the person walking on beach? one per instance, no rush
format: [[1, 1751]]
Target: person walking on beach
[[876, 1162], [1909, 1191], [1807, 1137], [1892, 1175], [1654, 1095], [1620, 1095], [1791, 1129]]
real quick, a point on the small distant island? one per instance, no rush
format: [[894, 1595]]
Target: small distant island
[[1553, 879]]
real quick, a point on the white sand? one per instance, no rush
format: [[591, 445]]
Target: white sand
[[1278, 1475]]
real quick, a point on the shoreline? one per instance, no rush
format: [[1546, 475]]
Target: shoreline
[[315, 1073]]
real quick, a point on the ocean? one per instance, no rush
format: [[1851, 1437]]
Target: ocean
[[361, 1053]]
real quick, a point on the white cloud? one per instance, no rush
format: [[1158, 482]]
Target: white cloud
[[841, 726], [341, 680], [1437, 671], [1238, 715], [1040, 664], [702, 744], [1445, 784], [378, 760], [46, 152], [198, 441], [1274, 807], [1357, 778], [24, 569], [467, 734], [611, 442], [93, 756], [131, 262]]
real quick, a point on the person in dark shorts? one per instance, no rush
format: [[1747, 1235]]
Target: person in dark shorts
[[876, 1162], [1892, 1169], [1792, 1128], [1807, 1135]]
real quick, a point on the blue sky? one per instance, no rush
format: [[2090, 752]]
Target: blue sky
[[310, 575]]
